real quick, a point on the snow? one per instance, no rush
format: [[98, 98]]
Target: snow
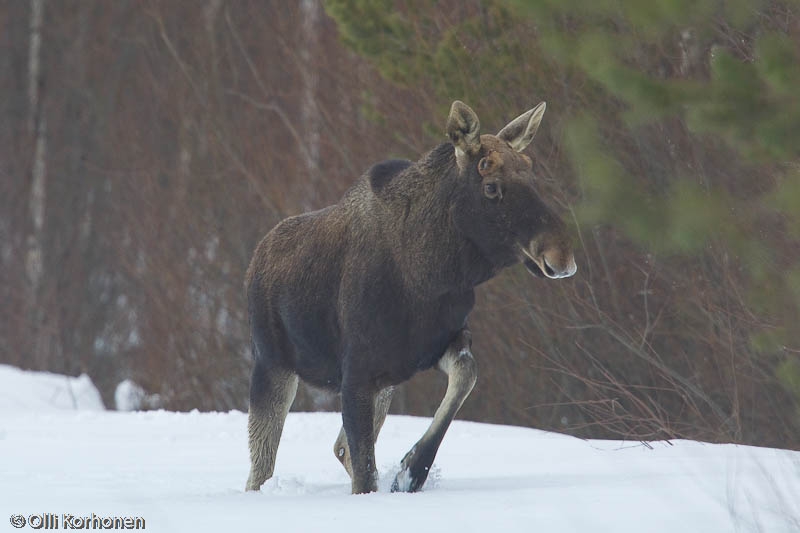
[[186, 472], [129, 396], [43, 391]]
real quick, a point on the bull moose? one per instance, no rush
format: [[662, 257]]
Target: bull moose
[[358, 297]]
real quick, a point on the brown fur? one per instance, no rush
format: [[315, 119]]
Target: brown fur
[[359, 296]]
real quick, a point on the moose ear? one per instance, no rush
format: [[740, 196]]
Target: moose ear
[[464, 130], [520, 131]]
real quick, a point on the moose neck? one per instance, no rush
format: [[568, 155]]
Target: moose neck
[[434, 256]]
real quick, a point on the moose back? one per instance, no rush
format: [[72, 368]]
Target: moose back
[[361, 295]]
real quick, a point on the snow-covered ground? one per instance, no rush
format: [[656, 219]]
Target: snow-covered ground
[[186, 472]]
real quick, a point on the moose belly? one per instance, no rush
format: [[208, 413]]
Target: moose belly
[[403, 340], [384, 343]]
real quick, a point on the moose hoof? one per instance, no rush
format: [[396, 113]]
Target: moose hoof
[[412, 474], [407, 481], [253, 486]]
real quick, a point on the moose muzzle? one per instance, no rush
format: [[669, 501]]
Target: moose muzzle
[[552, 261]]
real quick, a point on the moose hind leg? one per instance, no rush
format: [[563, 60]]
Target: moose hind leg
[[461, 369], [340, 448], [272, 392]]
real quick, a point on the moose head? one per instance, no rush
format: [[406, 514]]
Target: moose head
[[499, 209]]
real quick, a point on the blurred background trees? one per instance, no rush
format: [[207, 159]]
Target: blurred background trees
[[147, 147]]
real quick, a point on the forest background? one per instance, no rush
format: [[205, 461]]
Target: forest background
[[146, 147]]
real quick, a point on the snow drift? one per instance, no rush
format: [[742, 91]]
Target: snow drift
[[43, 391]]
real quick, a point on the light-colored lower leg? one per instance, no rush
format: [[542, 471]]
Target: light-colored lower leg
[[461, 369], [265, 425], [461, 373], [340, 447]]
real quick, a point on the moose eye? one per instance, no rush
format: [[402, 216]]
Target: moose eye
[[491, 190]]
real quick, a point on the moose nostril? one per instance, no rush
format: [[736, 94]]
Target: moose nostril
[[548, 269]]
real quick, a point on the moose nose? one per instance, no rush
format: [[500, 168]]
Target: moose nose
[[555, 272], [553, 263]]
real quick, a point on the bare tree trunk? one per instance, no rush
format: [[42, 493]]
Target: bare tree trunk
[[34, 61], [37, 128], [311, 12]]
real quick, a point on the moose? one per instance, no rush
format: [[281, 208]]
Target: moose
[[361, 295]]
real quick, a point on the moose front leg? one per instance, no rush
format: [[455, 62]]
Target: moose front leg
[[461, 369], [340, 448], [358, 408]]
